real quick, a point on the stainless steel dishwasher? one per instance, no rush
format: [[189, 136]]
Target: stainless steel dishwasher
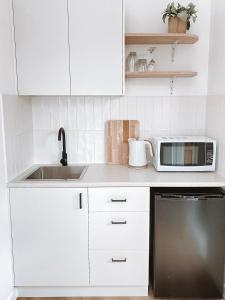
[[188, 243]]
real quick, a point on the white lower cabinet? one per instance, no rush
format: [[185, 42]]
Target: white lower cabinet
[[50, 236], [59, 242], [119, 236], [119, 268]]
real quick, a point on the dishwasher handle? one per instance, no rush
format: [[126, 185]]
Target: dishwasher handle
[[188, 197], [171, 198]]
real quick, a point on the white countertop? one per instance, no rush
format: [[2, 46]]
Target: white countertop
[[103, 175]]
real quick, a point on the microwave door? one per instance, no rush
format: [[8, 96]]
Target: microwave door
[[187, 156]]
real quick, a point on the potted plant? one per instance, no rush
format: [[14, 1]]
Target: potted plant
[[179, 17]]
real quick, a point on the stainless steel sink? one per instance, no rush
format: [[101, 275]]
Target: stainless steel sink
[[58, 173]]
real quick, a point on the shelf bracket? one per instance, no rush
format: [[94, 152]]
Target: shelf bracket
[[171, 86], [173, 50]]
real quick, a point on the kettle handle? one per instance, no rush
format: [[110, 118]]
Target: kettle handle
[[147, 142]]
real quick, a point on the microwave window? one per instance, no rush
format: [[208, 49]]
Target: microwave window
[[185, 154]]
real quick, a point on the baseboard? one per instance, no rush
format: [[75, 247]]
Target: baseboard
[[82, 291], [13, 295]]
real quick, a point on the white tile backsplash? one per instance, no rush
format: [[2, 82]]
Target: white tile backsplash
[[84, 120], [215, 127], [31, 126], [17, 112]]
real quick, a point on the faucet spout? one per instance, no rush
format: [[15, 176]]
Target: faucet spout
[[62, 136]]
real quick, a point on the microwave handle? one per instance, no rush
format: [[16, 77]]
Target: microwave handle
[[147, 142]]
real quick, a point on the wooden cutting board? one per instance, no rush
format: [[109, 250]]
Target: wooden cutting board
[[117, 135]]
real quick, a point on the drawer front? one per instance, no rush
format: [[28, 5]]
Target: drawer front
[[119, 268], [119, 230], [119, 199]]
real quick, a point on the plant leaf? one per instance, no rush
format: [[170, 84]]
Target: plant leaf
[[183, 16]]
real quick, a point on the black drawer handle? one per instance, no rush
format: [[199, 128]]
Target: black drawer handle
[[118, 200], [118, 222], [122, 260]]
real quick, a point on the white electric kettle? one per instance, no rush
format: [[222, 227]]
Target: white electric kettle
[[137, 152]]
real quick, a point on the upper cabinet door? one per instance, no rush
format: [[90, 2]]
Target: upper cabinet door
[[42, 49], [96, 47]]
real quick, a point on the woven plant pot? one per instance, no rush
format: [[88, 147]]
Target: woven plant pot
[[176, 25]]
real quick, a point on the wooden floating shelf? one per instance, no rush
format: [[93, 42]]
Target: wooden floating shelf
[[161, 74], [159, 38]]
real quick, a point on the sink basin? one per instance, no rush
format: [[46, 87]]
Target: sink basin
[[58, 173]]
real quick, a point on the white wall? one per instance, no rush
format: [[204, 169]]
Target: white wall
[[84, 120], [215, 127], [6, 276], [216, 84], [146, 16], [215, 117], [7, 85]]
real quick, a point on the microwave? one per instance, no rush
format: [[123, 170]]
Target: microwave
[[184, 153]]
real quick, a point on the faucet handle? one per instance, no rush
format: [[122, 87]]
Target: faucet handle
[[63, 161]]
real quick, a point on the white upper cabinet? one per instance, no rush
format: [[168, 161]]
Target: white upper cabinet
[[96, 47], [68, 47], [42, 48]]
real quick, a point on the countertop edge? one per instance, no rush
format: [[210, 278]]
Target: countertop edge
[[109, 176], [113, 184]]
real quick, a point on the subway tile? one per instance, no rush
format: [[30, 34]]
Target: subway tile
[[114, 108], [63, 113], [43, 108], [215, 127], [131, 108], [81, 113], [141, 111], [47, 149], [98, 122], [18, 126], [72, 148], [72, 113], [90, 147], [81, 147], [106, 115], [123, 108], [84, 119], [89, 113], [99, 147]]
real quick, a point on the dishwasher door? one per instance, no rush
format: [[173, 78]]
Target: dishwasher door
[[188, 246]]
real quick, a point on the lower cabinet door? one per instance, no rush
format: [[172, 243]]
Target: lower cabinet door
[[50, 236], [119, 268]]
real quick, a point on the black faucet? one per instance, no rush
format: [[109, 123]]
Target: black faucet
[[61, 133]]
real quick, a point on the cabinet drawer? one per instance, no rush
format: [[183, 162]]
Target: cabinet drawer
[[119, 268], [119, 199], [119, 230]]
